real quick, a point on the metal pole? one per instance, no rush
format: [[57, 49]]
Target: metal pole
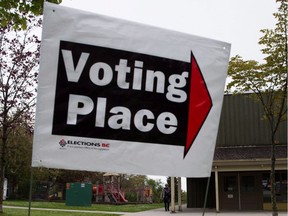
[[206, 195], [30, 191], [217, 189]]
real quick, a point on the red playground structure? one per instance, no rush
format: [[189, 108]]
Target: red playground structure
[[109, 191]]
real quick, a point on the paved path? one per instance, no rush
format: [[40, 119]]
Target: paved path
[[161, 212], [199, 212]]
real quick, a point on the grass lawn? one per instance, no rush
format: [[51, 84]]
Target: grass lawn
[[24, 212], [59, 205]]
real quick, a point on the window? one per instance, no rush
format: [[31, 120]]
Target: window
[[247, 183], [230, 183], [280, 187]]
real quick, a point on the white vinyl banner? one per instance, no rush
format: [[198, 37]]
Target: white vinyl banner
[[118, 96]]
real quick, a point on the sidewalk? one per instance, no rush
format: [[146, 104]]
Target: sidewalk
[[198, 212]]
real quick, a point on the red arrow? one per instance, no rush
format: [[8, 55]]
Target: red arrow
[[200, 104]]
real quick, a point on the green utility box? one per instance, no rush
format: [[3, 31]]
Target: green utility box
[[78, 194]]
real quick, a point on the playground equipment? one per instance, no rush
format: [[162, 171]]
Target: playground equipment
[[144, 194], [109, 191]]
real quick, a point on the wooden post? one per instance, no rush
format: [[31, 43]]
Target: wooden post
[[179, 195], [172, 194]]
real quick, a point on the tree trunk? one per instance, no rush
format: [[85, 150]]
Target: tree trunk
[[2, 170], [4, 137], [272, 180], [1, 189]]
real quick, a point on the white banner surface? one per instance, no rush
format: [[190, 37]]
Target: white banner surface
[[118, 96]]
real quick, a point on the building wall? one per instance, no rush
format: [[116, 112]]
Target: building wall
[[238, 190]]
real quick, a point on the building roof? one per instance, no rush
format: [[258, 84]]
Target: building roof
[[242, 124], [248, 152]]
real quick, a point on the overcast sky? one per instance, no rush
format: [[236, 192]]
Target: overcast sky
[[237, 22]]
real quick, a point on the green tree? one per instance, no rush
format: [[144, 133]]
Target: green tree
[[133, 185], [18, 161], [15, 11], [55, 180], [19, 55], [157, 189], [267, 81]]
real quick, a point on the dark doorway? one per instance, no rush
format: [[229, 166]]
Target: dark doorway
[[196, 188]]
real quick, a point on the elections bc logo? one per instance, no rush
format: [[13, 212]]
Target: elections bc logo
[[83, 144]]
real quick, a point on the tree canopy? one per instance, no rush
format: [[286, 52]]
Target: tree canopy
[[15, 11], [266, 81]]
